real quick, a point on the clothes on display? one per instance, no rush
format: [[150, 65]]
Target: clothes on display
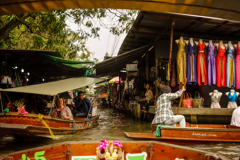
[[232, 99], [181, 62], [230, 68], [221, 67], [215, 99], [191, 64], [202, 66], [211, 60], [237, 60]]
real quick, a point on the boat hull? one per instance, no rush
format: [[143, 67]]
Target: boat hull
[[30, 125], [196, 134], [154, 150]]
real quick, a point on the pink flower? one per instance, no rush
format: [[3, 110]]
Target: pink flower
[[117, 143]]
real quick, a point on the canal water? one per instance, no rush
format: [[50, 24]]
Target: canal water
[[111, 127]]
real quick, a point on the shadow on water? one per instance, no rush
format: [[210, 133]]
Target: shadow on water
[[111, 127]]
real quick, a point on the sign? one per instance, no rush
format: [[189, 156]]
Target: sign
[[83, 158]]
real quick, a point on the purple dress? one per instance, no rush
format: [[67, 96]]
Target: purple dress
[[211, 61], [191, 65]]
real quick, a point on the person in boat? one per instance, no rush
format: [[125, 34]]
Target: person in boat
[[235, 121], [62, 111], [147, 100], [82, 107], [164, 114]]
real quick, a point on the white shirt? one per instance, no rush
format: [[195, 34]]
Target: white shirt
[[236, 117]]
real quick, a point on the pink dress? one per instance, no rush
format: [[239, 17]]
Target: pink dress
[[237, 63]]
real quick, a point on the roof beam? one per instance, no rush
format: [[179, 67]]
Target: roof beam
[[189, 20]]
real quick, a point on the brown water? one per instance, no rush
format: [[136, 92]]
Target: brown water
[[111, 127]]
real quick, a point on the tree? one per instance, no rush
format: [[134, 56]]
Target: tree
[[49, 30]]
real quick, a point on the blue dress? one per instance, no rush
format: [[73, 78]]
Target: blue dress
[[231, 81], [191, 65]]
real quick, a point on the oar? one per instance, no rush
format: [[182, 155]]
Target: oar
[[181, 96]]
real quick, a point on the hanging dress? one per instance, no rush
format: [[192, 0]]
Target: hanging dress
[[232, 100], [181, 62], [211, 60], [191, 64], [230, 68], [221, 67], [202, 65], [237, 63]]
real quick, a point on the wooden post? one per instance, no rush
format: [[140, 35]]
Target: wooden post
[[156, 71], [119, 83], [147, 67], [170, 54]]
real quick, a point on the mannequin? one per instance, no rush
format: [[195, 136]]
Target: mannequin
[[201, 64], [235, 45], [181, 60], [211, 43], [181, 40], [211, 63], [191, 63], [222, 45], [201, 41], [237, 63], [232, 98], [215, 99], [230, 82], [221, 65]]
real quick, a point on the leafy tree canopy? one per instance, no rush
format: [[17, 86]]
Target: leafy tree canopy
[[50, 30]]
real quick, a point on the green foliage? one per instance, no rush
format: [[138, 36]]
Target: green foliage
[[50, 30]]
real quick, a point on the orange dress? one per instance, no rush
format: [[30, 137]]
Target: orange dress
[[201, 65]]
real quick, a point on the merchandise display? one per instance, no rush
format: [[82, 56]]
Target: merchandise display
[[221, 65], [211, 61], [230, 66], [202, 67], [191, 63], [232, 98], [181, 60], [215, 99], [237, 63]]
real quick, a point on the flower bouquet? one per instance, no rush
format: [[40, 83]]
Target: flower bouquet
[[20, 106], [109, 150]]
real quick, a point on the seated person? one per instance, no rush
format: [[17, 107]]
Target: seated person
[[147, 100], [62, 111], [235, 121], [164, 114], [82, 107]]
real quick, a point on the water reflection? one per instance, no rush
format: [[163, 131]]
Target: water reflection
[[111, 127]]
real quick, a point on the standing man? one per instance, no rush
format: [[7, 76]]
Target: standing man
[[82, 106]]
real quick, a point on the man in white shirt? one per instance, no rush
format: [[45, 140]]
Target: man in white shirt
[[236, 116]]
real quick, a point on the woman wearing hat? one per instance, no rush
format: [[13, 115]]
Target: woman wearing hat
[[164, 114]]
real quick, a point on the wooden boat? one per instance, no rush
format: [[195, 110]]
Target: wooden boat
[[87, 151], [194, 134], [31, 125]]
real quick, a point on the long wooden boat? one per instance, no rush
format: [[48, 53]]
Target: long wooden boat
[[87, 151], [194, 134], [31, 125]]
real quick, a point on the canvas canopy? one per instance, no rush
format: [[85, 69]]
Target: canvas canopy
[[213, 8], [54, 88]]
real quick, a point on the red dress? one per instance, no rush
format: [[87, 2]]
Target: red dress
[[201, 65], [221, 67]]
